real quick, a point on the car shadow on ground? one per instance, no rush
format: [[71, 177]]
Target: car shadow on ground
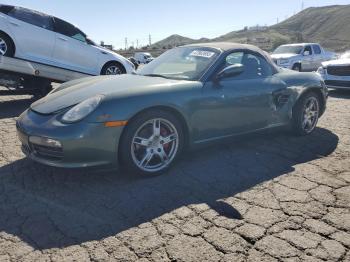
[[48, 207], [13, 108]]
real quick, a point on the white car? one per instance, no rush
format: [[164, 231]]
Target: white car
[[143, 58], [301, 57], [336, 73], [37, 37]]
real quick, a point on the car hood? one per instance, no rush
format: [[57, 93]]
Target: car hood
[[283, 56], [74, 92], [338, 62]]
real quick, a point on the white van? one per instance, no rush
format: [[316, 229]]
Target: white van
[[143, 58]]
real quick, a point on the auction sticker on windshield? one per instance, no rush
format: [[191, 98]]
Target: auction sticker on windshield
[[201, 53]]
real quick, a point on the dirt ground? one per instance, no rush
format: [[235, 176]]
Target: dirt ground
[[271, 197]]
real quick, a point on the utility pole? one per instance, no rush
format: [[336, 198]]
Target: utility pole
[[277, 20], [137, 43], [302, 5], [150, 40], [126, 43]]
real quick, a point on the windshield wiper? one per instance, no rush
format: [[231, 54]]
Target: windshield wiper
[[156, 75]]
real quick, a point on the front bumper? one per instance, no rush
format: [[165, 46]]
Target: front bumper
[[288, 65], [83, 144], [336, 82]]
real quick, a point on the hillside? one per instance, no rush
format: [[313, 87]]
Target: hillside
[[173, 40], [328, 25]]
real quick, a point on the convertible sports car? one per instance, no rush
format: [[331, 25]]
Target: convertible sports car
[[188, 96]]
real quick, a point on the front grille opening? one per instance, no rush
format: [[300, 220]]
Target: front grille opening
[[337, 83], [339, 70], [49, 153]]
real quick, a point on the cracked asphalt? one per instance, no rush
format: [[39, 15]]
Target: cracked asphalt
[[267, 197]]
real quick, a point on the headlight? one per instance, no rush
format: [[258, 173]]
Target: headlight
[[284, 61], [321, 70], [82, 109]]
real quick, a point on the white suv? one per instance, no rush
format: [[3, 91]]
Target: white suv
[[37, 37]]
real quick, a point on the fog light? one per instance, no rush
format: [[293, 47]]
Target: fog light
[[45, 141]]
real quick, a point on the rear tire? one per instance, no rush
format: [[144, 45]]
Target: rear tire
[[144, 152], [7, 47], [305, 114], [113, 68], [297, 67]]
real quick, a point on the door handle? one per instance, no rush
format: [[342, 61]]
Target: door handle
[[13, 23], [62, 38]]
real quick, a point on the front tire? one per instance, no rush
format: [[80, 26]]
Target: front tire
[[6, 46], [113, 68], [305, 114], [151, 143]]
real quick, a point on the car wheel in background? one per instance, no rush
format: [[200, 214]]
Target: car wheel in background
[[296, 67], [6, 46], [306, 113], [113, 68], [151, 143]]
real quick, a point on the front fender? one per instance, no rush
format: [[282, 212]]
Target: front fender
[[313, 85], [302, 83], [124, 109]]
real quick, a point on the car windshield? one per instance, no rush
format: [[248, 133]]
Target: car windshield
[[186, 63], [288, 49], [345, 55]]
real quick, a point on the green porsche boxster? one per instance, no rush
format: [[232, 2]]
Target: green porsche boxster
[[188, 96]]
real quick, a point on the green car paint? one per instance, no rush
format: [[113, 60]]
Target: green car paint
[[209, 109]]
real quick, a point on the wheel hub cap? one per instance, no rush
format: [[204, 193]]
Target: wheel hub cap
[[3, 47], [310, 115], [154, 145]]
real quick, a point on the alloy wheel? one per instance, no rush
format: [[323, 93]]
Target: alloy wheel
[[113, 70], [154, 145], [310, 114], [3, 47]]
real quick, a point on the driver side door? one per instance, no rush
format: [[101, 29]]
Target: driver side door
[[239, 103], [307, 63]]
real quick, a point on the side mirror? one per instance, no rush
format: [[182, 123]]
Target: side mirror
[[306, 53], [232, 70]]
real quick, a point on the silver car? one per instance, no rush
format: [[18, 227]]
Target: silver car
[[336, 73]]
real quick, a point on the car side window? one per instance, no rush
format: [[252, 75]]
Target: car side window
[[5, 9], [234, 58], [255, 66], [31, 17], [317, 49], [308, 48], [69, 30]]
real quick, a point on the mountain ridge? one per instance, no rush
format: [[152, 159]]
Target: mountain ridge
[[327, 25]]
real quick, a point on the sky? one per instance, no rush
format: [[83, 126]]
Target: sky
[[112, 21]]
